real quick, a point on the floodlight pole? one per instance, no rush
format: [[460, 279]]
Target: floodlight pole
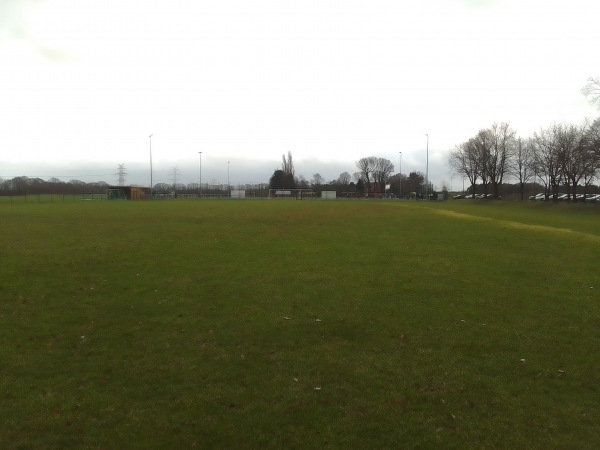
[[400, 173], [150, 137], [427, 170], [200, 171]]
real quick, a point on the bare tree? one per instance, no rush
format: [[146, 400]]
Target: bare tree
[[592, 90], [485, 157], [522, 164], [593, 139], [547, 159], [344, 178], [482, 149], [382, 171], [162, 188], [301, 182], [317, 180], [464, 162], [572, 154], [287, 164], [502, 145], [591, 150], [365, 167], [375, 172]]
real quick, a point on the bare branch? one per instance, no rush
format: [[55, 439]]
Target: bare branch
[[592, 90]]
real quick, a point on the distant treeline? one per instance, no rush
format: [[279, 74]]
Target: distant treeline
[[24, 185], [27, 186]]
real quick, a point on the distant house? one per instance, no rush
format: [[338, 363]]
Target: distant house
[[127, 193]]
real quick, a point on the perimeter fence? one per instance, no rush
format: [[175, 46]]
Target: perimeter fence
[[49, 198]]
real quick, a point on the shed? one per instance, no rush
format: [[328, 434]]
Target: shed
[[127, 193]]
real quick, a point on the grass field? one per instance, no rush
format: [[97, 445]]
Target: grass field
[[299, 324]]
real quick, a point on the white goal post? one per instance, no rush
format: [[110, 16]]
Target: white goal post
[[297, 194]]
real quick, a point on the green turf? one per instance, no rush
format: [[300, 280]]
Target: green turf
[[299, 324]]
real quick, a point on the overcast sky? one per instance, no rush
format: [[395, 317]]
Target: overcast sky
[[83, 83]]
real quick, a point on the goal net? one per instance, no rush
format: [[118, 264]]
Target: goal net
[[297, 194]]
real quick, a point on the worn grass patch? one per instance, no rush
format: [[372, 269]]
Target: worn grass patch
[[519, 225], [269, 324]]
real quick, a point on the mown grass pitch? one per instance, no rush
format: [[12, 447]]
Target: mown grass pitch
[[299, 324]]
